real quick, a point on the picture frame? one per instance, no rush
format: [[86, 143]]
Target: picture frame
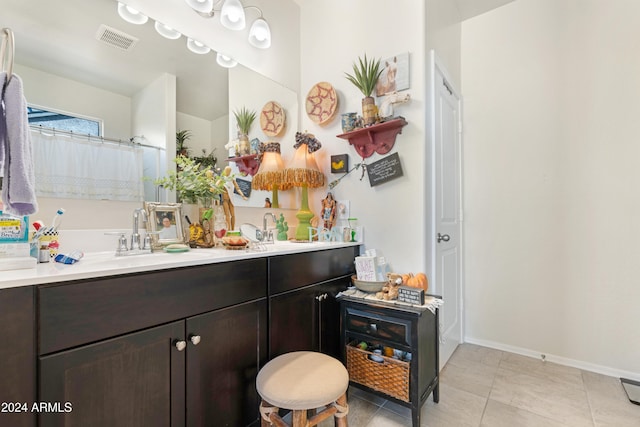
[[339, 163], [395, 74], [164, 224]]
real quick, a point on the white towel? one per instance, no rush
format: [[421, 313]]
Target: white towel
[[16, 156]]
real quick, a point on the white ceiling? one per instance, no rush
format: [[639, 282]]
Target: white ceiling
[[58, 36]]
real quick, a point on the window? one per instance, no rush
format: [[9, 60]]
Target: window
[[61, 121]]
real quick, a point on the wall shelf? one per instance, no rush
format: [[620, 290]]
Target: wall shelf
[[378, 138], [248, 164]]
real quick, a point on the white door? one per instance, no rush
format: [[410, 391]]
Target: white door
[[447, 250]]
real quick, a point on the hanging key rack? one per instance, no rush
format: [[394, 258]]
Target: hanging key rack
[[7, 50]]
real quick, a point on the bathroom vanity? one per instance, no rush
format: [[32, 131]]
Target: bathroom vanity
[[177, 343]]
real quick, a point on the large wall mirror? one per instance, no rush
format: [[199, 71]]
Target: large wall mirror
[[147, 92]]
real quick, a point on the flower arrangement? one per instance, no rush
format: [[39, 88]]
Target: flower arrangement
[[194, 183]]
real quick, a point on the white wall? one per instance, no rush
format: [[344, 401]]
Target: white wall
[[48, 90], [551, 101], [393, 214]]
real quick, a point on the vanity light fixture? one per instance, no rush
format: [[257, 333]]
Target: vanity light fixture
[[201, 6], [197, 47], [166, 31], [131, 15], [232, 15], [260, 34], [225, 60]]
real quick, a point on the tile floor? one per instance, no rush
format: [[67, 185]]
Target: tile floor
[[480, 386]]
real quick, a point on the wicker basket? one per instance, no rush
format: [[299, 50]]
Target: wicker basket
[[391, 376]]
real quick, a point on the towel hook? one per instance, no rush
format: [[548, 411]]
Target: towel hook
[[8, 46]]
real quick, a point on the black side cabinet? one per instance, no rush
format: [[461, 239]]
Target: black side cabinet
[[405, 329]]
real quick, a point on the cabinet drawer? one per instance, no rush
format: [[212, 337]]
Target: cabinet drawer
[[287, 272], [81, 312], [376, 325]]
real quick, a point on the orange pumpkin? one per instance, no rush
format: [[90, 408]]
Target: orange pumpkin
[[406, 277], [419, 281]]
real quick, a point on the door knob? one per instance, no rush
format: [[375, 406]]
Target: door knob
[[442, 237], [181, 345]]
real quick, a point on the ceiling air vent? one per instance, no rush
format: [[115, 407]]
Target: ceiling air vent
[[116, 38]]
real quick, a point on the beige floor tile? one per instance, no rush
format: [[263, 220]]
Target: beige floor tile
[[361, 394], [472, 376], [361, 412], [498, 414], [609, 403], [537, 367], [466, 353], [385, 418], [557, 400], [457, 408]]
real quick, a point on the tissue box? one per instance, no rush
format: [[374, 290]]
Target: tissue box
[[8, 250], [13, 228]]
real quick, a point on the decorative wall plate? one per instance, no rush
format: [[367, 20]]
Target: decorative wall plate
[[321, 102], [272, 119]]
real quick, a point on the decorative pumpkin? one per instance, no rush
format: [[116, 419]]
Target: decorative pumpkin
[[419, 281]]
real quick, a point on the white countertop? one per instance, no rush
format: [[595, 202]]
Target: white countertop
[[101, 264]]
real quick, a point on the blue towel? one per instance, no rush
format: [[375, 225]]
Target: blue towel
[[16, 156]]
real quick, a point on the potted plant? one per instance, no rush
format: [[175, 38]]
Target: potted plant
[[193, 183], [365, 76], [181, 138], [244, 120]]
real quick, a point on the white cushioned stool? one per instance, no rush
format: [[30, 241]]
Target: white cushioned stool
[[303, 381]]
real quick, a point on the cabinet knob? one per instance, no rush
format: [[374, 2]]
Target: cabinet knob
[[373, 327], [195, 339], [181, 345], [322, 297]]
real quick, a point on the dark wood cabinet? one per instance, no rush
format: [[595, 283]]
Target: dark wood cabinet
[[132, 381], [402, 328], [222, 366], [307, 319], [17, 356], [174, 347], [303, 311]]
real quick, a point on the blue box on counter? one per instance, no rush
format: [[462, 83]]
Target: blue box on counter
[[13, 229]]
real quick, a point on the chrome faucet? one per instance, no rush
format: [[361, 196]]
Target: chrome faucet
[[135, 235], [267, 235]]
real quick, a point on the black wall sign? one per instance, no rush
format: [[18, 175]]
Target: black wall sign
[[245, 186], [384, 170], [411, 295]]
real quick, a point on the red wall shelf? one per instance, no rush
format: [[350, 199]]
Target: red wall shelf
[[246, 164], [378, 138]]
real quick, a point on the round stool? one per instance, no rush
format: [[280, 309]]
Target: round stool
[[303, 381]]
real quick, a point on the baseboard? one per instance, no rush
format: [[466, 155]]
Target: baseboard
[[586, 366]]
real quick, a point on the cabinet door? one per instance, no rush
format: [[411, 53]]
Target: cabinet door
[[329, 313], [222, 366], [307, 319], [135, 380], [18, 355]]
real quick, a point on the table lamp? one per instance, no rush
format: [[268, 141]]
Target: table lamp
[[303, 172], [270, 174]]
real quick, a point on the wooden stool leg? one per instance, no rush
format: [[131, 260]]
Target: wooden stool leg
[[342, 421], [265, 410], [299, 418]]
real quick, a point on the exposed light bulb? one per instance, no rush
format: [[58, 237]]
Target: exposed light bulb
[[202, 6], [260, 34], [197, 47], [225, 61], [232, 15], [131, 15], [166, 31]]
